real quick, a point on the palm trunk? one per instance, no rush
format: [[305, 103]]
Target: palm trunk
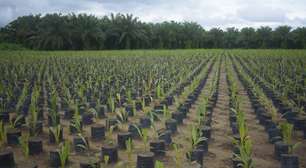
[[127, 43]]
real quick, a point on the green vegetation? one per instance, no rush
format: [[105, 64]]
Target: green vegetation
[[64, 153], [119, 31], [2, 134], [129, 150], [11, 47], [56, 132], [143, 133], [287, 133], [23, 141]]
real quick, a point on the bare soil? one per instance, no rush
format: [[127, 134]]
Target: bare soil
[[220, 146]]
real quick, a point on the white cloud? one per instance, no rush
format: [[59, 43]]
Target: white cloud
[[208, 13]]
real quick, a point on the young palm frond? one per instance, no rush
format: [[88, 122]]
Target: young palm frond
[[129, 149], [2, 134], [64, 153], [144, 135], [56, 131], [287, 133], [23, 141]]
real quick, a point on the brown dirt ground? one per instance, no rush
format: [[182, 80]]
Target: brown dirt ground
[[220, 147]]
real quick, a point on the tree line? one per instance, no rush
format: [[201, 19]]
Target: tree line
[[124, 31]]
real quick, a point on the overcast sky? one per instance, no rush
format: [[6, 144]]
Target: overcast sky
[[208, 13]]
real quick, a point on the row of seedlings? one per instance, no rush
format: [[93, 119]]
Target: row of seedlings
[[242, 144], [200, 131], [280, 131], [290, 112], [286, 76], [162, 138]]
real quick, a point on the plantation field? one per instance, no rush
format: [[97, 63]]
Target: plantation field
[[153, 108]]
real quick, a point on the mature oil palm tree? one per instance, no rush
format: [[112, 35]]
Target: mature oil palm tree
[[247, 37], [21, 30], [126, 28], [264, 35], [230, 37], [191, 35], [86, 32], [215, 38], [299, 37], [281, 36], [53, 33]]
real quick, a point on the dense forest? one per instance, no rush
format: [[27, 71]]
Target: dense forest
[[119, 31]]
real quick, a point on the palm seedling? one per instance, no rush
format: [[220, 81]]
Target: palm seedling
[[2, 134], [32, 120], [16, 121], [111, 103], [94, 161], [166, 113], [143, 105], [267, 103], [158, 164], [134, 107], [177, 102], [155, 134], [178, 158], [245, 152], [244, 144], [144, 135], [122, 115], [64, 153], [201, 112], [81, 90], [2, 100], [159, 91], [146, 110], [196, 137], [106, 159], [118, 96], [22, 97], [152, 116], [94, 112], [2, 103], [53, 99], [23, 141], [109, 138], [148, 85], [68, 97], [84, 145], [243, 130], [76, 121], [273, 111], [53, 113], [129, 150], [129, 96], [56, 131], [287, 133]]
